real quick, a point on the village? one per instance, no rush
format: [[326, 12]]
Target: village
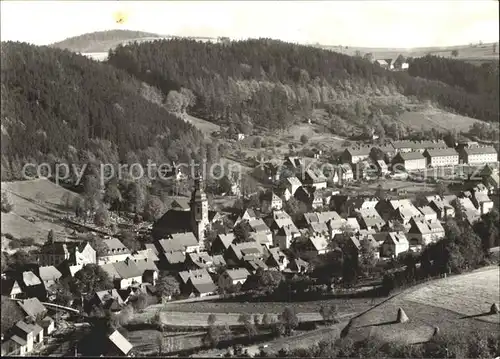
[[305, 216]]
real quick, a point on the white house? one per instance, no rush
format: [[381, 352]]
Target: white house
[[394, 244], [422, 233]]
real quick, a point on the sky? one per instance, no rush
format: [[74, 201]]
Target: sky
[[388, 24]]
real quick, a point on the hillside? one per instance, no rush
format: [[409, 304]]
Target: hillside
[[101, 41], [36, 210], [60, 106], [457, 304], [271, 84], [472, 53]]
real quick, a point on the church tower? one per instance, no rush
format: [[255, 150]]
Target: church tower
[[199, 211]]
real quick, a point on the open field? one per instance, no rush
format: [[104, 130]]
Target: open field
[[344, 306], [200, 319], [470, 294], [471, 52], [36, 210], [412, 188], [204, 126], [438, 119], [456, 296]]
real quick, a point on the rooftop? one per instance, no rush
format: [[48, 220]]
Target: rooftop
[[480, 150], [408, 156], [442, 152]]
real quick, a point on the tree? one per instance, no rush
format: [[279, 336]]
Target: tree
[[66, 200], [167, 285], [304, 139], [212, 318], [101, 217], [141, 301], [91, 192], [91, 278], [6, 203], [135, 197], [441, 189], [246, 320], [421, 200], [329, 313], [266, 319], [256, 320], [154, 208], [78, 207], [454, 53], [295, 208], [367, 258], [62, 292], [130, 241], [50, 236], [242, 232], [20, 259], [212, 337], [210, 236], [225, 185], [368, 56], [4, 261], [289, 320], [174, 101], [112, 195]]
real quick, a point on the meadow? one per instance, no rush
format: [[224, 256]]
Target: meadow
[[457, 304], [36, 210]]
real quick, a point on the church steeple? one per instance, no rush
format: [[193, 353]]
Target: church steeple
[[199, 209]]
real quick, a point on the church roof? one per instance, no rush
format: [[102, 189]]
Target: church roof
[[173, 222]]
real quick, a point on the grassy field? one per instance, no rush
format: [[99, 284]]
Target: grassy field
[[452, 304], [412, 188], [204, 126], [438, 119], [344, 306], [470, 295], [36, 210], [472, 52]]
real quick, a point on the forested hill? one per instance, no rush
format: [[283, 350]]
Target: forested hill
[[62, 105], [100, 41], [269, 83], [474, 79]]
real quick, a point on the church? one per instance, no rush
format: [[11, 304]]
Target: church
[[196, 218]]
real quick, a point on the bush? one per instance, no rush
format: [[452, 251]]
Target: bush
[[14, 244], [9, 236], [26, 241], [304, 139], [6, 203]]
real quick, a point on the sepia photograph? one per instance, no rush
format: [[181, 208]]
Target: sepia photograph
[[250, 179]]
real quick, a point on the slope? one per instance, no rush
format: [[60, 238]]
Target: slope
[[101, 41], [271, 84], [58, 106], [37, 209], [454, 304]]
